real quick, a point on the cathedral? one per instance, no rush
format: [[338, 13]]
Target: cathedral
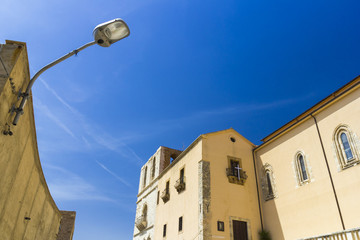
[[300, 183]]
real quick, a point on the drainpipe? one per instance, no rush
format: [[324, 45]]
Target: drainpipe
[[328, 168], [257, 190]]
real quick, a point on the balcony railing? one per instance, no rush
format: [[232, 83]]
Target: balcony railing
[[165, 195], [141, 222], [351, 234], [180, 185], [233, 176]]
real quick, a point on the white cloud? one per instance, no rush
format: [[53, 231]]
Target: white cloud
[[42, 107], [86, 132], [114, 175], [67, 186]]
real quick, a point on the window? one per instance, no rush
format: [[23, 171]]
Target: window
[[345, 147], [180, 183], [144, 212], [220, 226], [141, 221], [182, 173], [268, 185], [301, 168], [167, 187], [180, 224], [144, 179], [158, 196], [235, 167], [165, 195], [235, 172], [164, 231], [153, 168]]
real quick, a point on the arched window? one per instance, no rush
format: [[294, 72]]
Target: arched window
[[270, 191], [268, 183], [346, 150], [301, 168], [346, 146]]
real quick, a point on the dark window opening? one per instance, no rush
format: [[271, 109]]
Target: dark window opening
[[144, 180], [164, 231], [158, 196], [167, 187], [180, 223], [153, 168], [182, 173], [235, 168], [268, 179], [304, 176], [220, 226]]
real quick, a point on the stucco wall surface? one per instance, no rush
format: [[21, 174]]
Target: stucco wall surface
[[185, 203], [310, 209], [230, 201]]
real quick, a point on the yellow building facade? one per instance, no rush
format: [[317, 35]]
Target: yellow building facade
[[27, 210], [301, 183]]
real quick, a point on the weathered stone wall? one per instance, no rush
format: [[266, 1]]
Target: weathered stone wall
[[204, 201], [67, 225], [166, 155], [27, 210]]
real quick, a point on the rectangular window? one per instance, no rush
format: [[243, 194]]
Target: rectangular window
[[153, 168], [167, 187], [235, 168], [182, 173], [180, 224], [220, 226], [158, 195], [144, 181], [164, 231]]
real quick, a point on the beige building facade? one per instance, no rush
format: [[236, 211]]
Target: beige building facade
[[301, 183], [27, 210]]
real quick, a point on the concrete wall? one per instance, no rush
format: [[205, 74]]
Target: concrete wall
[[230, 201], [304, 210], [27, 210]]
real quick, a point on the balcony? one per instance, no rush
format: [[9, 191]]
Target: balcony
[[233, 177], [141, 223], [180, 185], [165, 195]]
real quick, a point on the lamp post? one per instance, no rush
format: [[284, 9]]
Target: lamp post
[[105, 34]]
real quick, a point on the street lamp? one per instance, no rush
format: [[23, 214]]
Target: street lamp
[[105, 34]]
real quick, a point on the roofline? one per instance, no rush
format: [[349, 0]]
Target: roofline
[[344, 90]]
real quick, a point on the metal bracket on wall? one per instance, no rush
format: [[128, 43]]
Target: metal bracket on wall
[[7, 130]]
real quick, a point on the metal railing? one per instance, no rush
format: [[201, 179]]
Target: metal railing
[[180, 184], [234, 173], [351, 234]]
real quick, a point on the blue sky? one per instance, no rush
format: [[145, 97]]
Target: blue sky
[[187, 68]]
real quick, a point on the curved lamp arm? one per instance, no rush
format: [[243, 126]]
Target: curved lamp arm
[[25, 95], [105, 34]]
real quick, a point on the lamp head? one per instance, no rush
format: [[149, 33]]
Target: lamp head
[[110, 32]]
